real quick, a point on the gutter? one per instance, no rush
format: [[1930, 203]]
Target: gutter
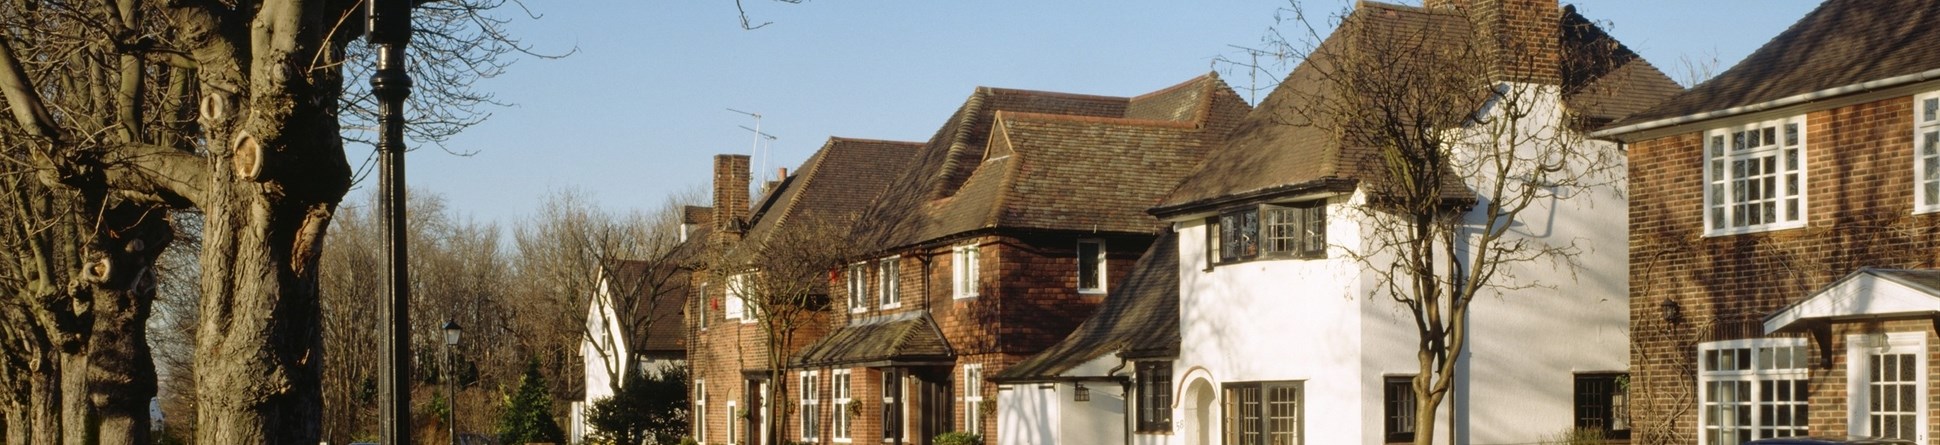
[[1814, 96]]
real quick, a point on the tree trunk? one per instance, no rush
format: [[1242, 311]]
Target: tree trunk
[[75, 409], [44, 404]]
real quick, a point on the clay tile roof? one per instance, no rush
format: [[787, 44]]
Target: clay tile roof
[[1139, 319], [1283, 148], [667, 332], [902, 336], [1842, 42], [837, 182], [1055, 161]]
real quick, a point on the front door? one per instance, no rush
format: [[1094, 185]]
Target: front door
[[892, 405], [929, 395], [1887, 385], [757, 424]]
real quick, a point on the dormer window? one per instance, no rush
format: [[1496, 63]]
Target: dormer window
[[1297, 230], [1754, 177]]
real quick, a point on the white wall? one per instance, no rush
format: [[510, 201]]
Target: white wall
[[1275, 320], [603, 326], [1027, 414]]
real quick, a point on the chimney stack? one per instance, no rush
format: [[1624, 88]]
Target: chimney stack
[[1527, 36], [730, 193]]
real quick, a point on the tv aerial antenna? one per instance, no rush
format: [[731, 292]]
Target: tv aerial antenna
[[758, 151]]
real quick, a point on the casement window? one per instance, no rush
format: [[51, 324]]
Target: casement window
[[973, 398], [733, 420], [964, 271], [1091, 266], [735, 305], [1752, 389], [839, 382], [700, 410], [889, 274], [1263, 413], [1755, 177], [701, 308], [1296, 230], [1886, 385], [1603, 404], [1398, 408], [858, 287], [1154, 397], [1926, 152], [811, 406]]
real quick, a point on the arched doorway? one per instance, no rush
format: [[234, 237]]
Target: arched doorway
[[1199, 412]]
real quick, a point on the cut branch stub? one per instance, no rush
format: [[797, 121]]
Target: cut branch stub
[[213, 108], [99, 270], [246, 154]]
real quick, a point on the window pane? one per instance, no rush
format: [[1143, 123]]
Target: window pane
[[1930, 109], [1769, 135], [1791, 134], [1090, 257]]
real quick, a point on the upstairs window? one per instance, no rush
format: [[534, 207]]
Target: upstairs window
[[1926, 152], [1091, 266], [734, 302], [964, 271], [1296, 230], [1755, 177], [889, 272], [701, 309], [858, 287]]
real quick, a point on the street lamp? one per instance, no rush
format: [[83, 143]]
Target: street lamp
[[451, 379], [388, 27]]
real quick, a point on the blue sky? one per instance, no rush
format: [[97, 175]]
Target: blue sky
[[641, 108]]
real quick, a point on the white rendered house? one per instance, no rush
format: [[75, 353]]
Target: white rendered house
[[1285, 332], [634, 323]]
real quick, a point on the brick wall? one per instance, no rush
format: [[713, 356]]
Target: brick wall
[[1687, 288]]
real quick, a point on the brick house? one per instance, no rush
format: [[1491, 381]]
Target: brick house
[[1783, 240], [1286, 331], [1005, 232], [728, 351]]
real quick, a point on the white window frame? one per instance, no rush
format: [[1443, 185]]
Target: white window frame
[[732, 304], [1800, 356], [737, 303], [701, 290], [732, 419], [1722, 165], [1098, 268], [842, 386], [858, 276], [700, 410], [1926, 152], [973, 398], [965, 269], [811, 409], [888, 276], [1859, 350]]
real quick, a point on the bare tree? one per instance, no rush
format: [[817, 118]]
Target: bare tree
[[1458, 135]]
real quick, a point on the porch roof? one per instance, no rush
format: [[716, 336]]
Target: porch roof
[[904, 336], [1864, 294]]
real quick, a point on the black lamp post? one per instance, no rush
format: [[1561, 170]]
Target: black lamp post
[[451, 379], [389, 29]]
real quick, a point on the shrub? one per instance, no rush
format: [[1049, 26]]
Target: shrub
[[958, 438], [1579, 436]]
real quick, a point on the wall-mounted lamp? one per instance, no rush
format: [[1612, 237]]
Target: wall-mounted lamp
[[1673, 312], [1082, 394]]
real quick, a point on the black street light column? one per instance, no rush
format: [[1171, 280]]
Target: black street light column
[[451, 379], [389, 27]]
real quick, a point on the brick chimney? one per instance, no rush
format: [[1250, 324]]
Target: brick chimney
[[1527, 33], [730, 193]]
